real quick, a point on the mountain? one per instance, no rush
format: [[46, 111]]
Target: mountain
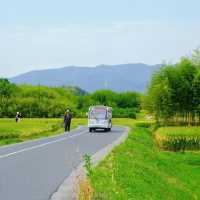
[[116, 77]]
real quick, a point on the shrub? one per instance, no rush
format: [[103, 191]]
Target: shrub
[[144, 124], [124, 113]]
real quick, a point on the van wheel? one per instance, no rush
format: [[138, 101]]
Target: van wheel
[[90, 130]]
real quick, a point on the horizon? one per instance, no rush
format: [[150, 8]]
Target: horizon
[[79, 66], [91, 33]]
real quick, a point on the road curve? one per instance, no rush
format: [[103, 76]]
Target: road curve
[[34, 170]]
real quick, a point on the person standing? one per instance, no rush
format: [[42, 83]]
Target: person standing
[[17, 117], [67, 120]]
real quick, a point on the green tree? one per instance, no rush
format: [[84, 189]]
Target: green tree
[[159, 94], [7, 90], [196, 93], [187, 72], [128, 100], [104, 97], [171, 94], [196, 57]]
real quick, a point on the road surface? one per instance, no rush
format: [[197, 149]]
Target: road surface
[[34, 170]]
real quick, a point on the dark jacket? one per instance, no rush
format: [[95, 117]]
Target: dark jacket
[[67, 118]]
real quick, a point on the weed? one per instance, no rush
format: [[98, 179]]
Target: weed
[[88, 164]]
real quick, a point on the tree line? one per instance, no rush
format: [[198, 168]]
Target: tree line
[[173, 94], [42, 101]]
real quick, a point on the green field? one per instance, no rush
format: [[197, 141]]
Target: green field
[[28, 129], [138, 169], [178, 138]]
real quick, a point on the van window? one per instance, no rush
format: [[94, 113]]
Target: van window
[[98, 113]]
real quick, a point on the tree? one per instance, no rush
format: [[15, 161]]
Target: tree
[[104, 97], [43, 101], [7, 90], [171, 92], [196, 57], [187, 72], [128, 100], [196, 93]]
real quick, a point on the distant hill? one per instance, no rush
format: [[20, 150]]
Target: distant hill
[[116, 77]]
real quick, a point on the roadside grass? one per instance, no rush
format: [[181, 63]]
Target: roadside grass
[[138, 170], [29, 129], [178, 138]]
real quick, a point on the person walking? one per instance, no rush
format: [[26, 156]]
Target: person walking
[[67, 120]]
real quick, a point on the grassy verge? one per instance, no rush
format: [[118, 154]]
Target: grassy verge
[[28, 129], [139, 170], [178, 138]]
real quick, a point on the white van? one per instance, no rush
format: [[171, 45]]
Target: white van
[[100, 117]]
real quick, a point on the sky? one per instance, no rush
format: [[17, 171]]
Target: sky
[[41, 34]]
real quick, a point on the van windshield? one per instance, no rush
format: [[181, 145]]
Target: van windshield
[[98, 113]]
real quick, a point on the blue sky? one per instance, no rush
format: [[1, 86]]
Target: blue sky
[[46, 34]]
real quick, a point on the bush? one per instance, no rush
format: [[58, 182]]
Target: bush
[[124, 113], [144, 124]]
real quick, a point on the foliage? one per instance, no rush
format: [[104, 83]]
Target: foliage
[[124, 105], [50, 102], [173, 93], [196, 57], [123, 113], [7, 91]]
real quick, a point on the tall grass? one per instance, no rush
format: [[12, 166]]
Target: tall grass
[[178, 138]]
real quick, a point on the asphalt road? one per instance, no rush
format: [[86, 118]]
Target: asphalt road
[[34, 170]]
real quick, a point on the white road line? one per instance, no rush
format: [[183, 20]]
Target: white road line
[[42, 145]]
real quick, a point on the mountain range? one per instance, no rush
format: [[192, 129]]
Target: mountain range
[[123, 77]]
